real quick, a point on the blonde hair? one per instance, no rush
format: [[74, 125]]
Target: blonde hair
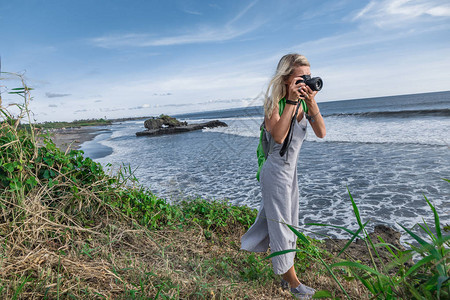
[[277, 86]]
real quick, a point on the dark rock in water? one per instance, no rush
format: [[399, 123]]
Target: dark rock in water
[[358, 249], [163, 120], [168, 125]]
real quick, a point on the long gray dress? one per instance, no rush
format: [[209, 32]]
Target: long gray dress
[[280, 202]]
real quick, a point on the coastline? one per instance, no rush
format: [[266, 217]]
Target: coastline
[[73, 137]]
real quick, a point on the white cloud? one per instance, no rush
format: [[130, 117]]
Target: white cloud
[[375, 76], [242, 12], [200, 34], [366, 38], [398, 13], [192, 12], [440, 11], [56, 95]]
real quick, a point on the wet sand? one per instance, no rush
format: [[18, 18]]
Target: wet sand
[[73, 137]]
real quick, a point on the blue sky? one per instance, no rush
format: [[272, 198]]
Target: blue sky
[[91, 59]]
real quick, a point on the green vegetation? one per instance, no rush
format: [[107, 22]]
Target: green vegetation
[[76, 123], [428, 278], [70, 231]]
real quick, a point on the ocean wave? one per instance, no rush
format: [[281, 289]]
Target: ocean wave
[[417, 131], [398, 113]]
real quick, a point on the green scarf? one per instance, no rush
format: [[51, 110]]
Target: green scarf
[[259, 150]]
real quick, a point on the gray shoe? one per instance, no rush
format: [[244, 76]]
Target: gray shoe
[[284, 284], [303, 292]]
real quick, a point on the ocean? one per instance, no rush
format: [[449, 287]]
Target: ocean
[[389, 152]]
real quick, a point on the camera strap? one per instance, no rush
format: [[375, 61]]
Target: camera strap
[[288, 139]]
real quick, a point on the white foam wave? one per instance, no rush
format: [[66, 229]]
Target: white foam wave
[[354, 130]]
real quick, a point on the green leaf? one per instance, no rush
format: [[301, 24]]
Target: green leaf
[[21, 286], [366, 283], [322, 294], [31, 181], [334, 226], [428, 231], [355, 209], [425, 245], [9, 167], [359, 266], [441, 280], [299, 235], [436, 218], [387, 246], [442, 240], [281, 253], [420, 263]]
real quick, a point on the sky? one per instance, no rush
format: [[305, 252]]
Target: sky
[[116, 59]]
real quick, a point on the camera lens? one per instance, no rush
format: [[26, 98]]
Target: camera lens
[[315, 83]]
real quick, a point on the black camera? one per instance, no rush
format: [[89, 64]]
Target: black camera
[[314, 83]]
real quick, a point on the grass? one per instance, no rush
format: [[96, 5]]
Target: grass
[[70, 231], [400, 278], [76, 123]]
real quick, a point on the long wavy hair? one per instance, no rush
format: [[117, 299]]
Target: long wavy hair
[[277, 86]]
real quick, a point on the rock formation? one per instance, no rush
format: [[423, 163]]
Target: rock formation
[[161, 121], [169, 125]]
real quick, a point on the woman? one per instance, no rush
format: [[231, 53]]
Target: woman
[[278, 176]]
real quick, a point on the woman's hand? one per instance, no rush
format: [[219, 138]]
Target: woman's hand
[[293, 92], [316, 122], [307, 94]]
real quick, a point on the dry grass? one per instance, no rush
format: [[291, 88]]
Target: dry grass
[[56, 257]]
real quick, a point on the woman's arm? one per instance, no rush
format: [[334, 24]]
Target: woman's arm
[[277, 125], [317, 123]]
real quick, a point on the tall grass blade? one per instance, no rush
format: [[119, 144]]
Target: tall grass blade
[[387, 246], [440, 282], [359, 266], [436, 218], [414, 291], [322, 294], [282, 252], [299, 235], [355, 209], [20, 287], [353, 238], [334, 226], [428, 231], [334, 277], [366, 283], [420, 263], [443, 240], [422, 242]]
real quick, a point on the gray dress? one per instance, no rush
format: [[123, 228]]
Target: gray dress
[[280, 202]]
